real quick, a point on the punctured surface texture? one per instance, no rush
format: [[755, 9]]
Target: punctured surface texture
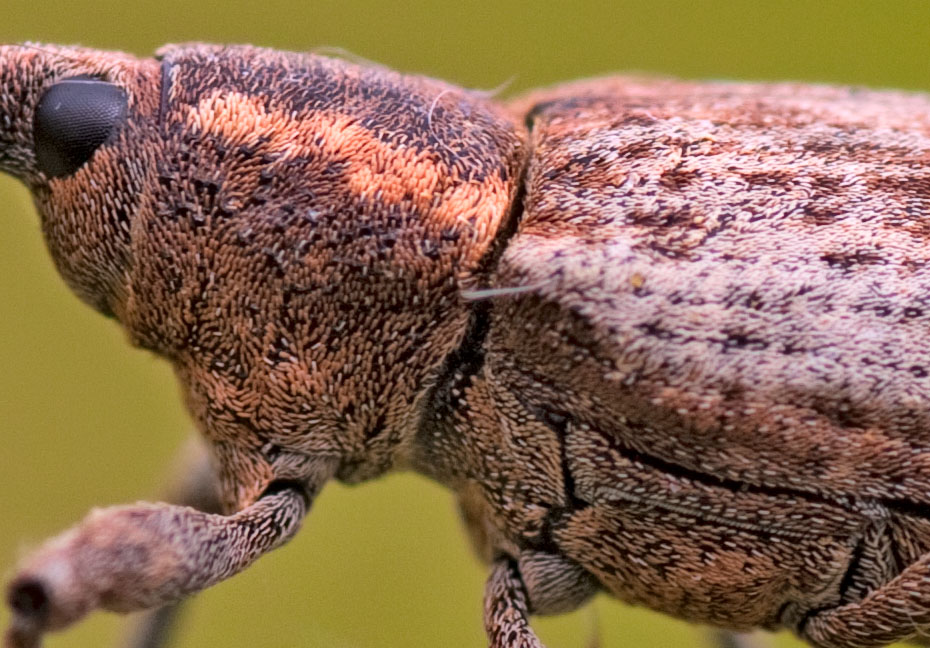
[[704, 356]]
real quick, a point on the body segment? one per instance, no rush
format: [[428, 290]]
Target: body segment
[[708, 327]]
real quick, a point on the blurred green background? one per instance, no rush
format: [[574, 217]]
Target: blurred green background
[[86, 421]]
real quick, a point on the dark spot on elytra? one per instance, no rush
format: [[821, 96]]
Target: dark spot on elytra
[[657, 330], [680, 177], [847, 260], [639, 149], [814, 214], [910, 184], [741, 340], [769, 178]]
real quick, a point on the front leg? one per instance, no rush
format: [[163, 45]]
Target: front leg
[[142, 556], [506, 609], [896, 611]]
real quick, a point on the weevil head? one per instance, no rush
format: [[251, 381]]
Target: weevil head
[[292, 231], [70, 126]]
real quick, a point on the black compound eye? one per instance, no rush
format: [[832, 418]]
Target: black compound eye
[[73, 118]]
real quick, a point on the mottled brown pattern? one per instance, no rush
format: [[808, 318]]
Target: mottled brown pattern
[[759, 332], [664, 339]]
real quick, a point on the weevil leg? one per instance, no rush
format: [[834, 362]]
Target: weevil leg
[[594, 628], [897, 611], [728, 639], [143, 556], [194, 483], [154, 628], [506, 609]]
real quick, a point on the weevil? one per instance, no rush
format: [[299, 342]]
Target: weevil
[[664, 339]]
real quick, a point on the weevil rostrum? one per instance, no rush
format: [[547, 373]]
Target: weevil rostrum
[[664, 339]]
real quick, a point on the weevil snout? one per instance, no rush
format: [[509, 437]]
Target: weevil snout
[[58, 105], [27, 74], [28, 600], [48, 595], [74, 123]]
